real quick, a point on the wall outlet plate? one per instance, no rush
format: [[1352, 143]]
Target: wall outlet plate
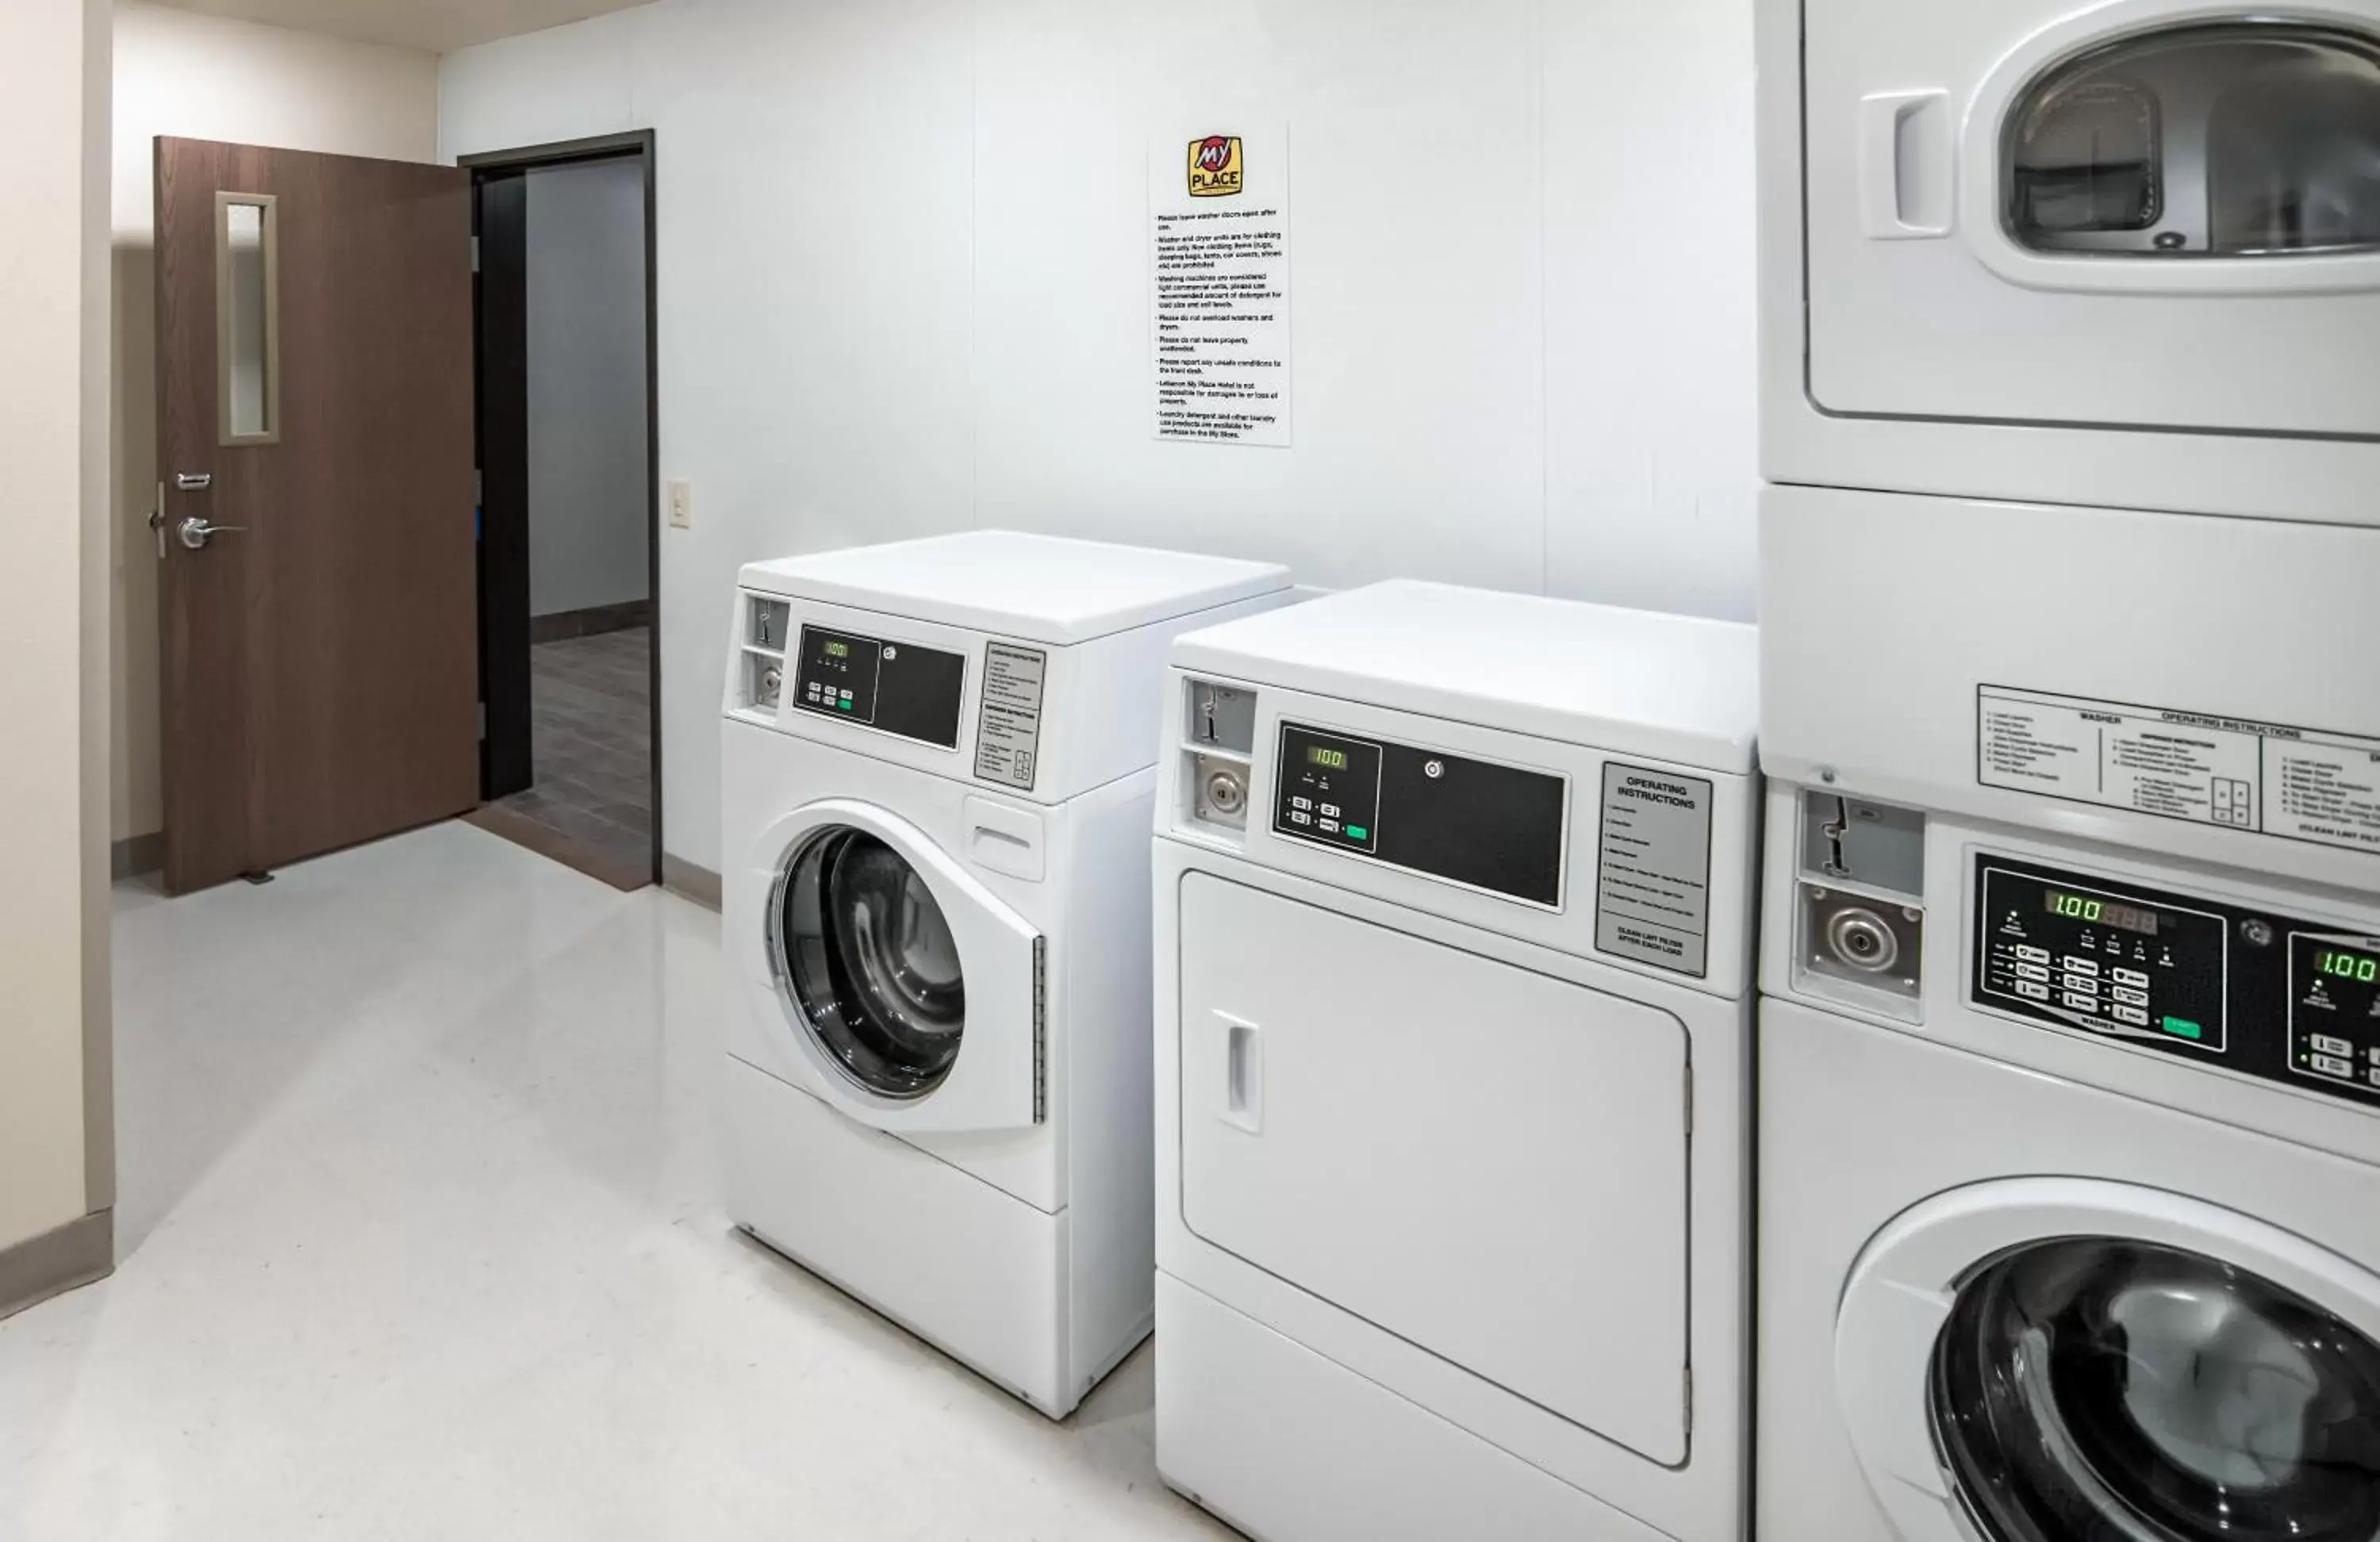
[[681, 506]]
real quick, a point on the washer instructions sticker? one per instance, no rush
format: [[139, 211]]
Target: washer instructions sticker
[[2299, 784], [1008, 730], [1652, 876]]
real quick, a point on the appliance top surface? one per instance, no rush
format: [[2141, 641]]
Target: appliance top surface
[[1678, 688], [1044, 589]]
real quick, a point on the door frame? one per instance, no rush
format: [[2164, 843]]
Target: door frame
[[493, 165]]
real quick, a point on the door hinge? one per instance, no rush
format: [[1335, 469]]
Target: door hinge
[[1040, 1030], [475, 254], [1690, 1102]]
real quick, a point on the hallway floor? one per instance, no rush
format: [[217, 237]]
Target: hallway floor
[[591, 751], [418, 1238]]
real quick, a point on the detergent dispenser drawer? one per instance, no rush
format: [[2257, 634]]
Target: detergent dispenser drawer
[[1480, 1160]]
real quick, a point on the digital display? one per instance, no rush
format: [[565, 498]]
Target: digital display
[[838, 650], [1327, 758], [2363, 969], [2099, 912]]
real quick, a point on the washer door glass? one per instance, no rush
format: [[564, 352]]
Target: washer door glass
[[870, 964], [2091, 1389]]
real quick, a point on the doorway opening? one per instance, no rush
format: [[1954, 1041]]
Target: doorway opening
[[569, 504]]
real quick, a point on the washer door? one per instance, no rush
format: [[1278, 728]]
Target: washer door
[[899, 975], [2038, 1360]]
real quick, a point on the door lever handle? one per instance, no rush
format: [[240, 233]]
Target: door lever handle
[[195, 532]]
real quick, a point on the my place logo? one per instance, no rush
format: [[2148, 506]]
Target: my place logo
[[1215, 167]]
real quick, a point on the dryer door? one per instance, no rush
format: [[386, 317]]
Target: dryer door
[[913, 994], [2162, 213], [1484, 1162], [2042, 1359]]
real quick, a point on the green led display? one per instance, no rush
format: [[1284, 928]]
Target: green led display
[[2363, 969]]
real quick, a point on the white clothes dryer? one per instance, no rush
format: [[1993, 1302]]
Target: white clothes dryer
[[2123, 253], [936, 791], [1453, 894]]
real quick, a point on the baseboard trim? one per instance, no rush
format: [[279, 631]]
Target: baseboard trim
[[137, 855], [561, 625], [689, 881], [58, 1261]]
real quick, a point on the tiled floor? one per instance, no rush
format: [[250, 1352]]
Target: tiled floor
[[591, 751], [420, 1239]]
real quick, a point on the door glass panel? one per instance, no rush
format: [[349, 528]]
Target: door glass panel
[[246, 313], [2097, 1387], [869, 964], [2232, 140]]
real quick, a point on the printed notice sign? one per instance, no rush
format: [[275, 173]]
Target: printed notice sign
[[1008, 730], [1219, 283], [2300, 784], [1652, 877]]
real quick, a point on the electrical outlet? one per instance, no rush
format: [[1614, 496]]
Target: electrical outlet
[[681, 504]]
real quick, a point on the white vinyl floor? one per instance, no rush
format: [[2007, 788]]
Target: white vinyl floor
[[418, 1238]]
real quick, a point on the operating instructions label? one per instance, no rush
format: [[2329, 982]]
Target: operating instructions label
[[1652, 877], [1008, 730], [2267, 778]]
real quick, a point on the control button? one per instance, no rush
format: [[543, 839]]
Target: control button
[[2128, 976], [2375, 1054], [1299, 816], [2183, 1027], [2081, 1002], [2030, 971], [1357, 832], [1329, 826], [2034, 988], [2082, 966], [2324, 1044], [2126, 993], [1301, 803], [2031, 955], [2375, 1075], [2132, 1015], [846, 696], [2082, 983], [2331, 1065], [1330, 810]]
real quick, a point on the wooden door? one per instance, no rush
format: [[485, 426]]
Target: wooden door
[[320, 683]]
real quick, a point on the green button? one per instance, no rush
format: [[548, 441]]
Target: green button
[[2183, 1027], [845, 705], [1357, 832]]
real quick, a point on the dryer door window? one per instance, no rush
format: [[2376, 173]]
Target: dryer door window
[[2091, 1387], [2245, 140], [870, 962]]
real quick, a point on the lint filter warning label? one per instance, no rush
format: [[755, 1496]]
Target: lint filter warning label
[[1008, 730], [1652, 876], [2267, 778]]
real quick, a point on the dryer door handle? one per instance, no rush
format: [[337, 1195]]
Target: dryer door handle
[[1243, 1076]]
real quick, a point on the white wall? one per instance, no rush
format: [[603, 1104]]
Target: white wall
[[207, 78], [589, 495], [902, 281], [55, 1161]]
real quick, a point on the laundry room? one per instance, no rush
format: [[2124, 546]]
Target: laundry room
[[1305, 769]]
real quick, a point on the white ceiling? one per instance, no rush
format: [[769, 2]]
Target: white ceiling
[[439, 26]]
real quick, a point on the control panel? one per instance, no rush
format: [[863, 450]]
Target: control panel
[[2251, 992], [894, 688], [1474, 822]]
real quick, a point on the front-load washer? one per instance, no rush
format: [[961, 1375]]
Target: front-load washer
[[2069, 1190], [937, 795], [1453, 899]]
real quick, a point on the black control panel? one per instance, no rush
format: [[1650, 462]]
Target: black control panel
[[896, 687], [1474, 822], [2250, 992]]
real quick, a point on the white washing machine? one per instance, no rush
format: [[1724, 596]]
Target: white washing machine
[[2070, 1189], [937, 798], [1453, 898], [2123, 253]]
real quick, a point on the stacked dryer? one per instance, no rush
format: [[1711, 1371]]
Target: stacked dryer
[[2069, 1046]]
